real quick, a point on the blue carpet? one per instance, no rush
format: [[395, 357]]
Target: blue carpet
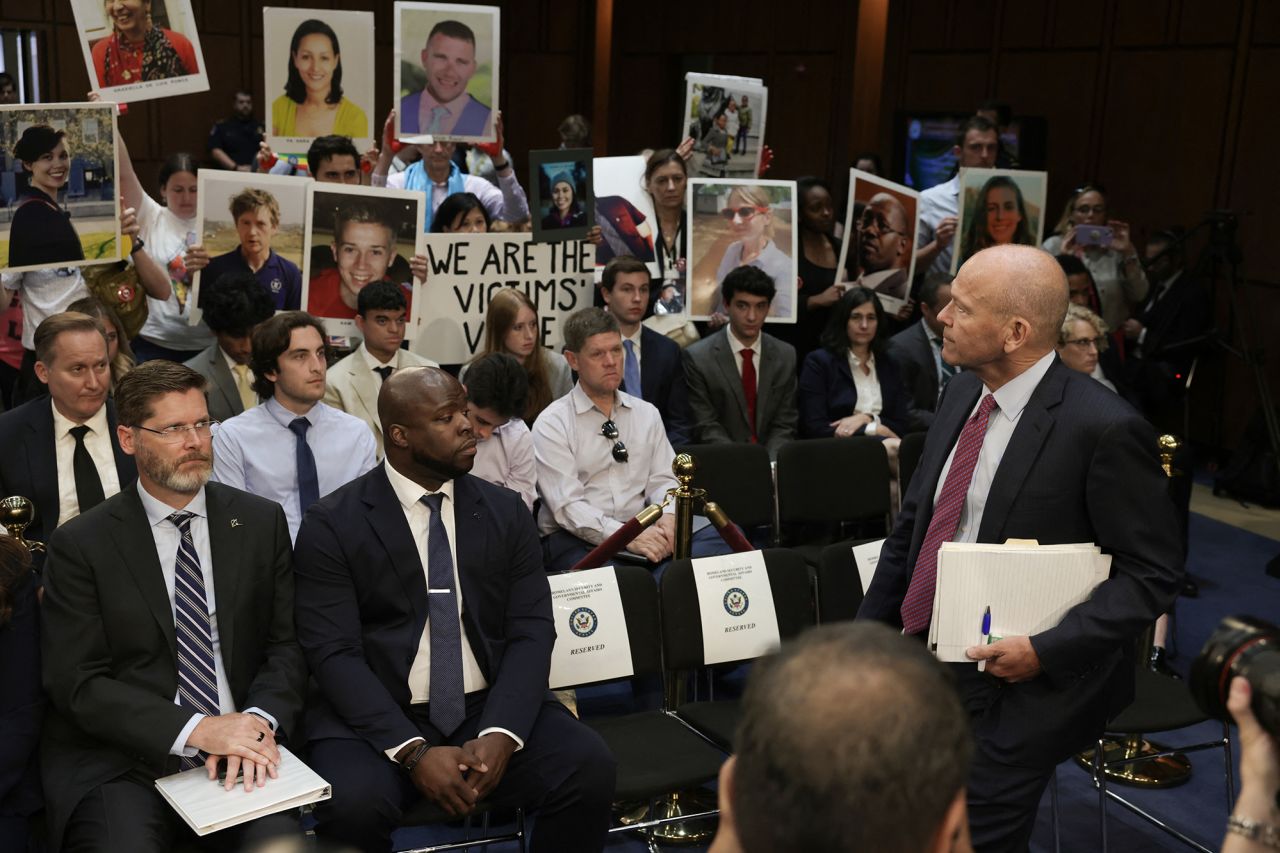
[[1228, 563]]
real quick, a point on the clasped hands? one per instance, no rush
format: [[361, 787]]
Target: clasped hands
[[245, 741], [1011, 659], [656, 543], [457, 777]]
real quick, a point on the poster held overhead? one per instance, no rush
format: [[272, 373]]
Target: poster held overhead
[[446, 71], [624, 211], [998, 207], [140, 51], [562, 204], [64, 201], [725, 117], [735, 223], [318, 72], [356, 236]]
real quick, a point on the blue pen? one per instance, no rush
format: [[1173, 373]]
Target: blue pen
[[986, 633]]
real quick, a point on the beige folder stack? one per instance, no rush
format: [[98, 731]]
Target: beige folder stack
[[1028, 588]]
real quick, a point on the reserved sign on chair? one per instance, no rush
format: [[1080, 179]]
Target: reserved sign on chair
[[736, 604], [591, 630]]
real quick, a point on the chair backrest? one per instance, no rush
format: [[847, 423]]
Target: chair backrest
[[639, 596], [909, 457], [739, 477], [682, 622], [839, 583], [832, 480]]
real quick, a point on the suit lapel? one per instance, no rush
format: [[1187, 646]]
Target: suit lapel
[[728, 365], [223, 380], [137, 549], [43, 459], [926, 348], [471, 547], [948, 424], [365, 385], [386, 517], [226, 549], [1029, 436]]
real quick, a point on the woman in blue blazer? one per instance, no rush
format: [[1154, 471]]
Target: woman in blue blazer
[[855, 338]]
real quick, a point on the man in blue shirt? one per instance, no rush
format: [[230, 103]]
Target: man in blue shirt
[[257, 217], [292, 449]]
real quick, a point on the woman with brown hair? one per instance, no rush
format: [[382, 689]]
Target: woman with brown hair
[[512, 326]]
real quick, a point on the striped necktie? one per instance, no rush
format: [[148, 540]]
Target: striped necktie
[[197, 678]]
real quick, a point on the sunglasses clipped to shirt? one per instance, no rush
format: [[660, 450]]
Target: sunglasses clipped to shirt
[[610, 431]]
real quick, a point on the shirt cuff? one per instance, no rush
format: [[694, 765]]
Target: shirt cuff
[[271, 721], [1142, 336], [180, 742], [500, 730], [393, 751]]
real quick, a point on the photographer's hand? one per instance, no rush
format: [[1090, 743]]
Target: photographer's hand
[[1259, 771]]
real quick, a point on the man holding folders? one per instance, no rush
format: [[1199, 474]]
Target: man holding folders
[[168, 634], [1023, 448], [425, 614]]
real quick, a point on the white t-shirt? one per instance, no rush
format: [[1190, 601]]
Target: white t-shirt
[[167, 238], [44, 292]]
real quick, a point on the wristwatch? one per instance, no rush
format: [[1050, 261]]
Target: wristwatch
[[1265, 834], [138, 245]]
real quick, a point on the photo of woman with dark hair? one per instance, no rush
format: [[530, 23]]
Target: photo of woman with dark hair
[[41, 231], [999, 217], [565, 210], [313, 103]]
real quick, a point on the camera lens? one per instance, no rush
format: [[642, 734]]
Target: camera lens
[[1240, 646]]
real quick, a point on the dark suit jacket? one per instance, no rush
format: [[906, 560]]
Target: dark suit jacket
[[827, 393], [362, 608], [1180, 314], [1081, 466], [21, 703], [662, 383], [913, 354], [222, 393], [29, 461], [715, 392], [110, 657]]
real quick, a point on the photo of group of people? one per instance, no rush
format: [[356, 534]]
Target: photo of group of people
[[140, 49], [58, 186], [725, 118], [741, 223], [446, 71], [878, 252], [997, 207], [317, 83]]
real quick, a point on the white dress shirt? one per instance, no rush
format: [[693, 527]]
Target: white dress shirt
[[585, 491], [936, 204], [1012, 398], [867, 385], [736, 347], [506, 459], [98, 442], [257, 452], [168, 538], [418, 516]]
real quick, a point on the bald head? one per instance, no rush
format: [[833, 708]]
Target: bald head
[[1022, 281], [427, 431]]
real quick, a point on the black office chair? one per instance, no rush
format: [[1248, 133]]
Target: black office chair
[[682, 632], [831, 489], [909, 457], [739, 477], [656, 753], [839, 584]]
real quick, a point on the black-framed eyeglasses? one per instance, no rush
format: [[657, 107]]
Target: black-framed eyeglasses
[[610, 431], [1098, 343], [874, 221], [178, 432]]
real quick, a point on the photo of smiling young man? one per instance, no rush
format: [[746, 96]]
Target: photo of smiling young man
[[446, 70], [256, 215]]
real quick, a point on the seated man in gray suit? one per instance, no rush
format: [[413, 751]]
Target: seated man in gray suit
[[233, 308], [354, 382], [742, 381]]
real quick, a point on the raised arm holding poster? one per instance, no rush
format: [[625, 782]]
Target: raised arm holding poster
[[140, 50], [466, 270], [318, 75]]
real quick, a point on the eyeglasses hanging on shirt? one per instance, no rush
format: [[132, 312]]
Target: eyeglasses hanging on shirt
[[610, 431]]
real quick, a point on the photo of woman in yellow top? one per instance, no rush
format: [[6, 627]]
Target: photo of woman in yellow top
[[313, 104]]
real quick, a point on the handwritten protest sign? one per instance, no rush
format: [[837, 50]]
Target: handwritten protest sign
[[466, 270]]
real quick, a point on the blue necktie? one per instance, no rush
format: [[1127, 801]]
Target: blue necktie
[[308, 480], [447, 700], [437, 119], [197, 678], [631, 370]]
